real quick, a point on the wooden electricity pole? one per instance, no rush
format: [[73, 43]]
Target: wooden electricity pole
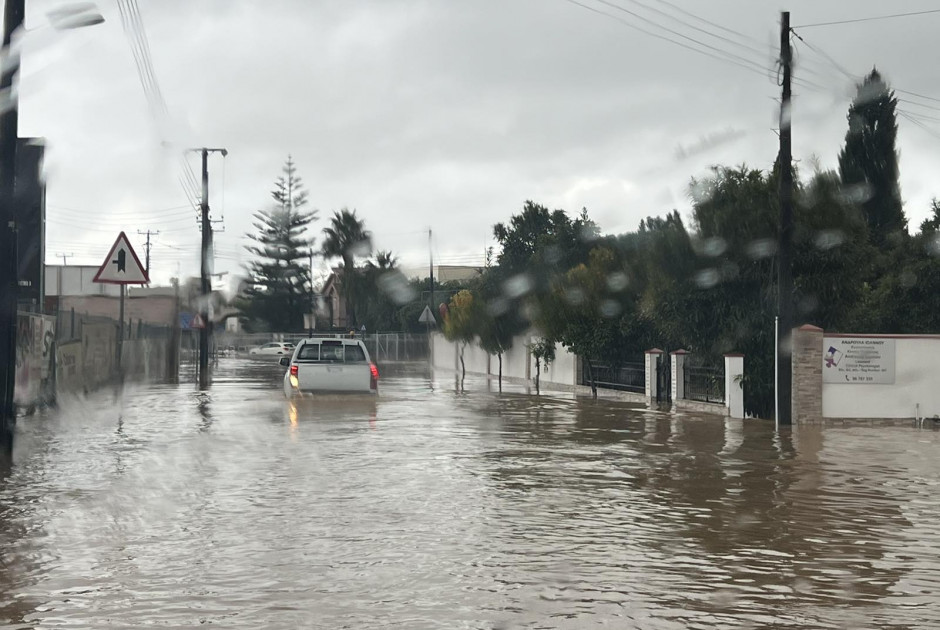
[[785, 244], [206, 252]]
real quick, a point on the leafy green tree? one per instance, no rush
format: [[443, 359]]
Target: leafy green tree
[[409, 313], [906, 299], [832, 249], [868, 163], [278, 292], [734, 296], [461, 322], [583, 315], [931, 225], [543, 350], [538, 245], [380, 292], [347, 238], [497, 318]]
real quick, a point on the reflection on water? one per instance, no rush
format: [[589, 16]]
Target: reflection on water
[[439, 507]]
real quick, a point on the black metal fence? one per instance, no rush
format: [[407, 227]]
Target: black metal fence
[[705, 384], [629, 376]]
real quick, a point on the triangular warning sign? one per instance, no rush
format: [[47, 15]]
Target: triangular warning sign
[[122, 266], [197, 322], [426, 316]]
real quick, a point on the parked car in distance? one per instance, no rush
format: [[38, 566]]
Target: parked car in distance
[[330, 366], [275, 348]]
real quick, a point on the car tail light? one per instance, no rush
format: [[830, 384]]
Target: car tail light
[[293, 370], [374, 381]]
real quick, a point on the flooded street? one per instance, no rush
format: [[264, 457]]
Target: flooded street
[[433, 509]]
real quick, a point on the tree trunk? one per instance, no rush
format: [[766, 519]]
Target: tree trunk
[[463, 368], [591, 379], [500, 357], [538, 372]]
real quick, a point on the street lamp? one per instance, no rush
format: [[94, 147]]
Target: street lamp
[[68, 17]]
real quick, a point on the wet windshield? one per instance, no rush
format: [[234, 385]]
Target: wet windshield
[[610, 313]]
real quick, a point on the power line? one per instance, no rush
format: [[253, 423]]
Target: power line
[[908, 115], [920, 116], [701, 19], [932, 132], [140, 49], [117, 212], [826, 55], [869, 19], [916, 104], [749, 68], [679, 34], [698, 28], [929, 98]]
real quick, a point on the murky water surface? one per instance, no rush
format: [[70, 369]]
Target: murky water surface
[[432, 509]]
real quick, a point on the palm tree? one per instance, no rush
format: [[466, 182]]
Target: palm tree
[[347, 238]]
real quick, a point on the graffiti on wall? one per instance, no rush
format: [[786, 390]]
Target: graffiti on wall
[[32, 357]]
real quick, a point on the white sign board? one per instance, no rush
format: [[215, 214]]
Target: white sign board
[[858, 360], [122, 266]]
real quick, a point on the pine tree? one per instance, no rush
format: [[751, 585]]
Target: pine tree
[[279, 291], [868, 164]]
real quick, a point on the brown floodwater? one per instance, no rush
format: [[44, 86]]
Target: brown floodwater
[[432, 508]]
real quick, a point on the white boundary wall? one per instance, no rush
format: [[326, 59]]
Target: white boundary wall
[[517, 362], [916, 383]]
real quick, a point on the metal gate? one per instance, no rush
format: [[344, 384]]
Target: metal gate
[[385, 347], [664, 378]]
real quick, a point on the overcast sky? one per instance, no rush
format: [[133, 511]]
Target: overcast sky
[[444, 114]]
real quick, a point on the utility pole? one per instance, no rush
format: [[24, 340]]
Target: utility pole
[[313, 297], [64, 257], [431, 258], [13, 11], [147, 247], [785, 245], [206, 225]]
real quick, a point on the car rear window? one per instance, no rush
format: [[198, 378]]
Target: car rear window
[[354, 354], [309, 352], [332, 352]]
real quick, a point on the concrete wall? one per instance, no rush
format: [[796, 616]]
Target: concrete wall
[[517, 361], [77, 280], [35, 336], [913, 393], [563, 370], [151, 309], [917, 376]]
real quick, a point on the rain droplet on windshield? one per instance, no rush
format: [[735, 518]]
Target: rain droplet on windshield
[[617, 281], [610, 309], [395, 285], [574, 296], [518, 285], [497, 307], [714, 246], [827, 239], [707, 278], [761, 248], [933, 245]]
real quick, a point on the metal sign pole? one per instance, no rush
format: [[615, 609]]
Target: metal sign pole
[[120, 345]]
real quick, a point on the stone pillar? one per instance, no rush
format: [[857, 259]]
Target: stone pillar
[[806, 403], [652, 365], [677, 375], [734, 388]]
